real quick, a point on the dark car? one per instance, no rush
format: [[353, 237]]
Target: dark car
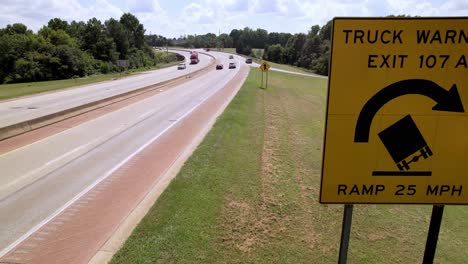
[[219, 67], [231, 57], [232, 65], [248, 61]]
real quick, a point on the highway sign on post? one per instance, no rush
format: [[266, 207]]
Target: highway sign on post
[[396, 125], [264, 67]]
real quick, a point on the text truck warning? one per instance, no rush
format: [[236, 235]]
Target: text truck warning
[[396, 124]]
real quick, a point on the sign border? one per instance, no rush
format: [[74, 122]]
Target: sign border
[[328, 101]]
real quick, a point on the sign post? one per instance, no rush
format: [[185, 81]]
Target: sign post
[[345, 233], [433, 233], [261, 84], [264, 67], [396, 124]]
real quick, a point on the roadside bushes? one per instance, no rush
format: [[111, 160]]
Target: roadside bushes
[[61, 50]]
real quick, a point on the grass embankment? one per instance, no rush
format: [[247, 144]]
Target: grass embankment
[[249, 194], [285, 67], [21, 89]]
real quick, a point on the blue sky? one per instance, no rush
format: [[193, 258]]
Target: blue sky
[[174, 18]]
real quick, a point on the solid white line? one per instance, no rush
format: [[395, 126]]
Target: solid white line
[[79, 195]]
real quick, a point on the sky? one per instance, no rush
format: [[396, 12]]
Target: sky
[[175, 18]]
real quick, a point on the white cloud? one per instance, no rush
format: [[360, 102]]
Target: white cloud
[[428, 8], [141, 6], [202, 16], [197, 14], [265, 6], [236, 5], [37, 13]]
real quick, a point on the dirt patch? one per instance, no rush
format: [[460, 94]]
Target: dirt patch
[[248, 226], [377, 236]]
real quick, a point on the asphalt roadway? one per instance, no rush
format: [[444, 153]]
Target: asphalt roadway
[[40, 180], [27, 108]]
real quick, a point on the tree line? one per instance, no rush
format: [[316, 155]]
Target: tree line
[[310, 51], [62, 50]]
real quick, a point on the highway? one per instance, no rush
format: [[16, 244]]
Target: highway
[[42, 179], [27, 108]]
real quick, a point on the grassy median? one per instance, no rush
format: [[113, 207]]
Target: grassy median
[[249, 194]]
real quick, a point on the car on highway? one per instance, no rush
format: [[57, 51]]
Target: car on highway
[[248, 61], [231, 57], [232, 65], [219, 67], [181, 66]]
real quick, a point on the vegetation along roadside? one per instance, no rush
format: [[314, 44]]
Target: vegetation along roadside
[[13, 90], [249, 194], [62, 50]]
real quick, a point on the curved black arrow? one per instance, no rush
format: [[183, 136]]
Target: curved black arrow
[[446, 101]]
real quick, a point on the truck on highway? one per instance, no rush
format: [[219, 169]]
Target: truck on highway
[[194, 58]]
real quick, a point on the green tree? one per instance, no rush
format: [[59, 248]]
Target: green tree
[[16, 28], [293, 48], [56, 37], [135, 30], [13, 46], [57, 23], [77, 30], [116, 31], [326, 31], [274, 53], [314, 30], [225, 41]]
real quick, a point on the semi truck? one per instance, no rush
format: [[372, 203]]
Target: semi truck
[[194, 58]]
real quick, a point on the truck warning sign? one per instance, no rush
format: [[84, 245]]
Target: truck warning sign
[[396, 127]]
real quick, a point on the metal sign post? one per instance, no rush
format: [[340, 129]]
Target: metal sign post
[[261, 84], [433, 234], [345, 233]]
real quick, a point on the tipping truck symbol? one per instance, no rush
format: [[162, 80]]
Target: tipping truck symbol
[[403, 140], [405, 143]]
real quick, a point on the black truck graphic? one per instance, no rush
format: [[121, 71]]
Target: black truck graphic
[[405, 143]]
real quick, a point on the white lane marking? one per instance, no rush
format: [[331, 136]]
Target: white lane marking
[[145, 115], [105, 176], [57, 159], [67, 154]]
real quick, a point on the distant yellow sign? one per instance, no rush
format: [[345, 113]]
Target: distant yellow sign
[[264, 67], [396, 125]]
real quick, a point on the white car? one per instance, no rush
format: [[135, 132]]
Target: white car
[[181, 66]]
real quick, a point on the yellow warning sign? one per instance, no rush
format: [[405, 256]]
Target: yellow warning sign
[[396, 125], [264, 67]]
